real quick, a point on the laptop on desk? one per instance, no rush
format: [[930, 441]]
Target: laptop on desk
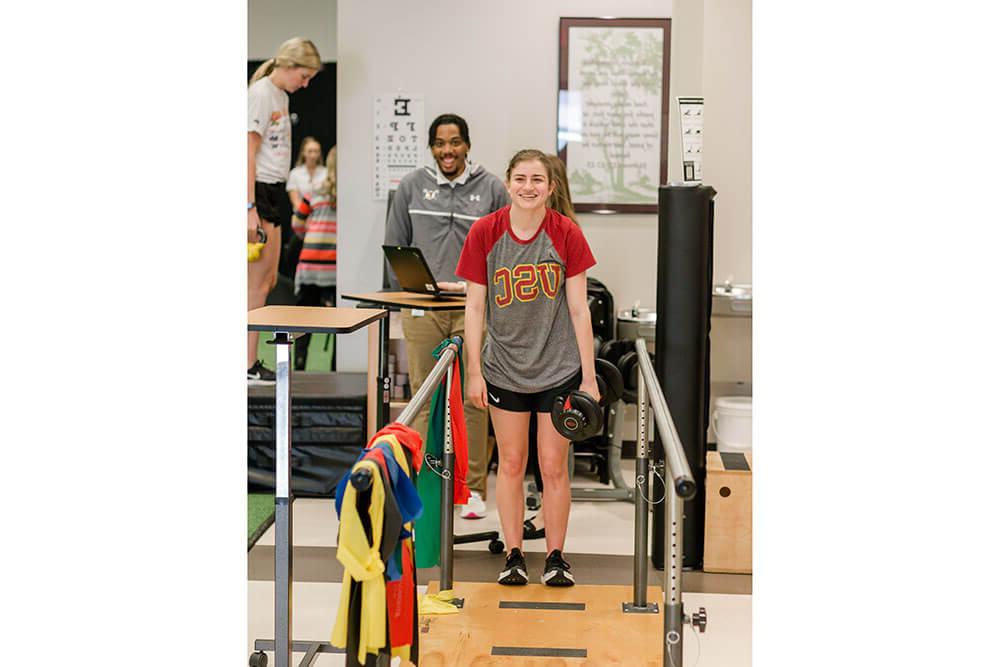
[[413, 273]]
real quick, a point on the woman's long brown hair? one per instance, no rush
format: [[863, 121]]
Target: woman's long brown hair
[[560, 200]]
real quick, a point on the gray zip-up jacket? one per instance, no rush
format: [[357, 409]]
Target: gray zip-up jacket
[[435, 214]]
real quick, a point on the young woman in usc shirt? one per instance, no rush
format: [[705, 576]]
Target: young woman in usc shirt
[[526, 270]]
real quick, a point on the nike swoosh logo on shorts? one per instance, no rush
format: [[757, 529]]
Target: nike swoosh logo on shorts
[[496, 399]]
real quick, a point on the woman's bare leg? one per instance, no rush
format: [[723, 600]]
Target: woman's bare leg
[[511, 429], [553, 452]]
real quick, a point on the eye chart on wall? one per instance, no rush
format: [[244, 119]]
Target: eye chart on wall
[[399, 124], [692, 117]]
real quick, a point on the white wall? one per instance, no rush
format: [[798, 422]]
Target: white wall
[[271, 22], [496, 64], [727, 89]]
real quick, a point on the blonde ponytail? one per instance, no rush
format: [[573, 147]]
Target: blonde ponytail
[[329, 185], [266, 68], [296, 52]]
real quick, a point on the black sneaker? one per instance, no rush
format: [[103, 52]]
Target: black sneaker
[[515, 572], [258, 374], [557, 570]]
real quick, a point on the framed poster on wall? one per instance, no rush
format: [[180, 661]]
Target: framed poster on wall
[[614, 78]]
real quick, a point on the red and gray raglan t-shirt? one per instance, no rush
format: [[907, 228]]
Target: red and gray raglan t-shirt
[[530, 342]]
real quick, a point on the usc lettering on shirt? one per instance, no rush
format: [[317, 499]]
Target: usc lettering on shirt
[[525, 282], [530, 343]]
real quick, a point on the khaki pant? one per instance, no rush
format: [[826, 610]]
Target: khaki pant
[[423, 334]]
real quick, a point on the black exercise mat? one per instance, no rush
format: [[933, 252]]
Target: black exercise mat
[[328, 431]]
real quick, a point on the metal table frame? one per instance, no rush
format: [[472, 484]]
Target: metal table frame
[[283, 322]]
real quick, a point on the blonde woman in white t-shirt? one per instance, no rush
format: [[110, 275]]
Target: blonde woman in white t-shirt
[[269, 150]]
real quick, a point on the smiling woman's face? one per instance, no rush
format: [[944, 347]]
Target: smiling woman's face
[[529, 185]]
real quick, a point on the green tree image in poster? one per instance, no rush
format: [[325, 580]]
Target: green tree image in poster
[[619, 75]]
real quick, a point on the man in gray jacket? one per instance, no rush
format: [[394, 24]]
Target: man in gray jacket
[[433, 210]]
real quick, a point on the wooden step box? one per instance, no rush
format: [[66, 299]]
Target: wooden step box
[[729, 513]]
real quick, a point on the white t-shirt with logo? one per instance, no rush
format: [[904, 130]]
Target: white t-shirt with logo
[[298, 180], [268, 117]]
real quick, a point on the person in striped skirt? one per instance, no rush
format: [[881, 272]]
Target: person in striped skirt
[[315, 222]]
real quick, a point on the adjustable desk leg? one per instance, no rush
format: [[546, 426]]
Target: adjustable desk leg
[[383, 372], [378, 374], [373, 393], [282, 502]]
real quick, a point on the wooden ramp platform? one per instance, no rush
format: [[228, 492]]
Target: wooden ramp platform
[[540, 626]]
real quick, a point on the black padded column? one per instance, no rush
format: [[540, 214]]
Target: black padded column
[[683, 314]]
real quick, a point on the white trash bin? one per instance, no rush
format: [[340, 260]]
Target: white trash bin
[[733, 423]]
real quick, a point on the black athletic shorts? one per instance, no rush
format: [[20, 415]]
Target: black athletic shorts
[[540, 401], [268, 197]]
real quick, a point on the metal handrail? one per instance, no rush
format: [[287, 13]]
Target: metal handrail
[[361, 479], [430, 384], [683, 488], [677, 462]]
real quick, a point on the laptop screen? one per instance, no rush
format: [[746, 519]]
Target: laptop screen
[[411, 270]]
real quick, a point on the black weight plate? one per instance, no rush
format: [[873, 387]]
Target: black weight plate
[[628, 366], [612, 379]]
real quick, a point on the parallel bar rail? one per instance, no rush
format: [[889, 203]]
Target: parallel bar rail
[[447, 492], [362, 478], [430, 384], [442, 369], [682, 487], [677, 463], [641, 495], [641, 498]]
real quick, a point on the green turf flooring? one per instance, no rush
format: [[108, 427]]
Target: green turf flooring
[[260, 514], [321, 349]]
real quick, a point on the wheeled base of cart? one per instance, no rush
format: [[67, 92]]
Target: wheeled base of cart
[[311, 650]]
